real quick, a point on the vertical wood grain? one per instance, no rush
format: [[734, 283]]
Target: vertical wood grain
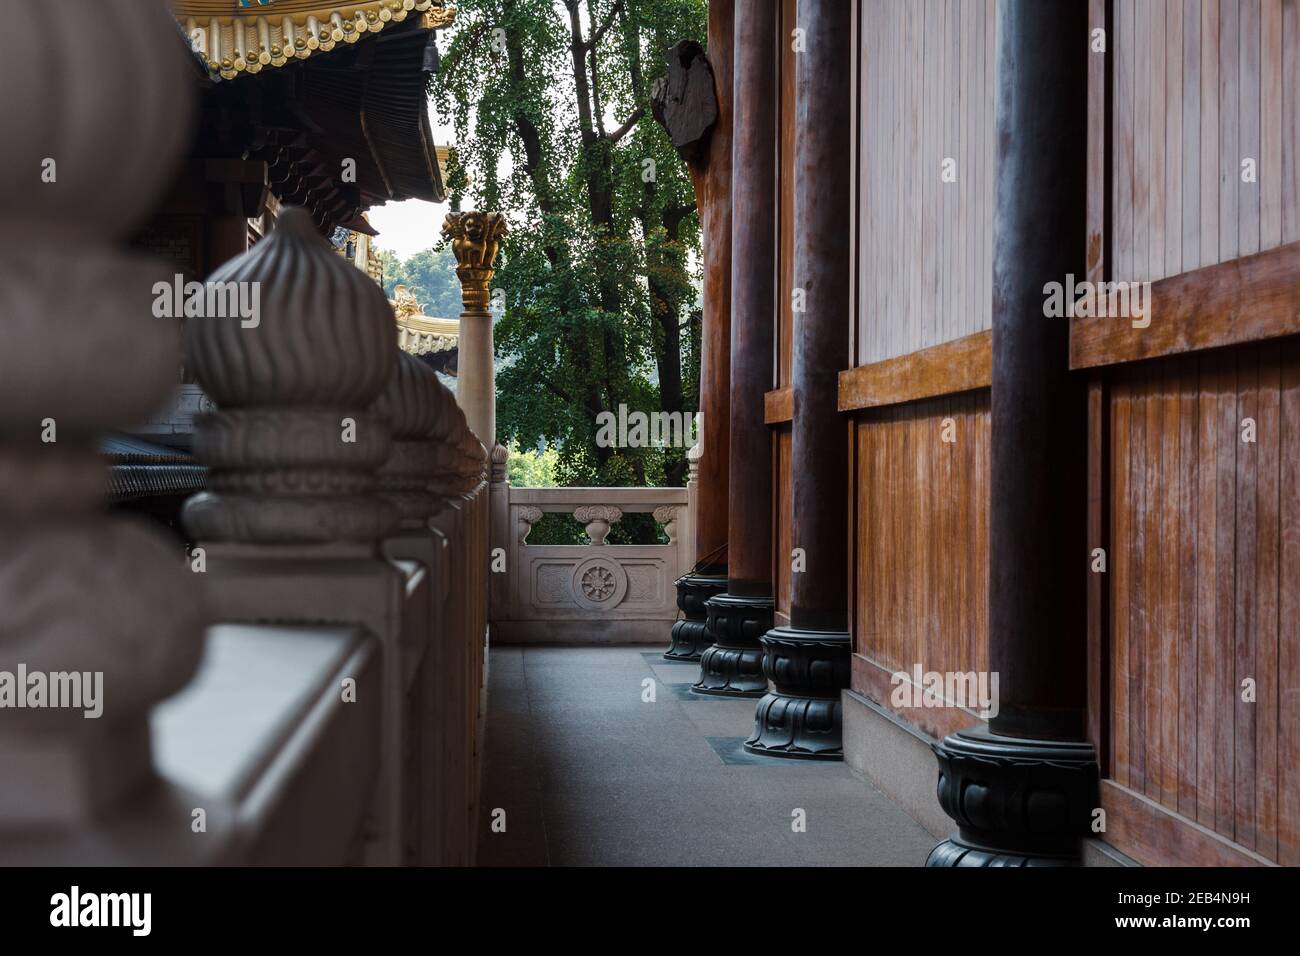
[[1119, 566], [1267, 584], [921, 539], [1157, 113], [1243, 634], [1203, 596], [1191, 145], [1248, 114], [1288, 649], [925, 267], [1207, 657], [1210, 16], [1290, 144], [1188, 636], [1173, 119], [1270, 124]]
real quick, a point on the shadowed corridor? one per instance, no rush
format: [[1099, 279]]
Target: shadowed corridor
[[590, 774]]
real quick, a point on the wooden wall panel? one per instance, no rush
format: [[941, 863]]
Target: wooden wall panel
[[924, 268], [1201, 86], [921, 536], [1204, 569]]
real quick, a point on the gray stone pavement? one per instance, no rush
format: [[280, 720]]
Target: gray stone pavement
[[590, 774]]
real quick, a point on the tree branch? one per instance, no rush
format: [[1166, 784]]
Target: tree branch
[[597, 108], [608, 22], [673, 216], [626, 128], [578, 49]]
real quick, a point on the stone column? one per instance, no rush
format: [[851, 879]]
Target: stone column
[[475, 237], [808, 662], [733, 666], [88, 150], [693, 102], [1022, 789]]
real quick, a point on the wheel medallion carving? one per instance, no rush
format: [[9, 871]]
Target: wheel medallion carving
[[598, 583]]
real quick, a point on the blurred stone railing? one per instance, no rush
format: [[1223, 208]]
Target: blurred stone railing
[[589, 593], [346, 489], [322, 645]]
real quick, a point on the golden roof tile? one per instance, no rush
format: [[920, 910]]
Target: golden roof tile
[[244, 36]]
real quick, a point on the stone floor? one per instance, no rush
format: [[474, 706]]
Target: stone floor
[[588, 773]]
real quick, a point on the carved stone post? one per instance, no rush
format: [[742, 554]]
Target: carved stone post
[[415, 405], [694, 104], [808, 661], [292, 521], [1022, 790], [106, 603], [458, 478], [475, 237], [499, 536], [733, 666], [424, 417]]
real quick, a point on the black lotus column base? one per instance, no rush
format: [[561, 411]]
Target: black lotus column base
[[1017, 801], [801, 716], [733, 666], [690, 637]]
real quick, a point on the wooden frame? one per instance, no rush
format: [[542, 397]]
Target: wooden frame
[[958, 366], [1156, 836], [876, 683], [1243, 300], [778, 406]]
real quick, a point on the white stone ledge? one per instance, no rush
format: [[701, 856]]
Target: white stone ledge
[[628, 499], [262, 731]]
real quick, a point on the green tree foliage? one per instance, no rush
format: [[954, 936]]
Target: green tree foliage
[[550, 102], [532, 469], [430, 274]]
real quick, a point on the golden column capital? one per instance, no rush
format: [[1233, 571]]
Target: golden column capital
[[475, 237]]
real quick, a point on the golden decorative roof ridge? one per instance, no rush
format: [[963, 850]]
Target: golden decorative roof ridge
[[236, 39], [418, 333]]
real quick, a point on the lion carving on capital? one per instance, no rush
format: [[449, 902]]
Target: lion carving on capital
[[475, 237]]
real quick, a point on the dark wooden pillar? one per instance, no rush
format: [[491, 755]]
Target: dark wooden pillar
[[808, 662], [1036, 777], [715, 363], [693, 103], [733, 666], [238, 190]]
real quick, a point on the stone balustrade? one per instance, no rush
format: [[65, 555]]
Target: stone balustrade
[[591, 593], [99, 620], [307, 684], [304, 686], [330, 459]]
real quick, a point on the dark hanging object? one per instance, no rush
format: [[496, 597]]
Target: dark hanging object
[[432, 61]]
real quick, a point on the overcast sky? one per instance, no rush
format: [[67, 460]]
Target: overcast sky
[[406, 228]]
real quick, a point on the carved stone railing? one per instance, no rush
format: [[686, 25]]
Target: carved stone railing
[[590, 593], [334, 712], [330, 461], [435, 477]]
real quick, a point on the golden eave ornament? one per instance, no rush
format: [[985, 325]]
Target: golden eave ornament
[[236, 37], [418, 333]]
